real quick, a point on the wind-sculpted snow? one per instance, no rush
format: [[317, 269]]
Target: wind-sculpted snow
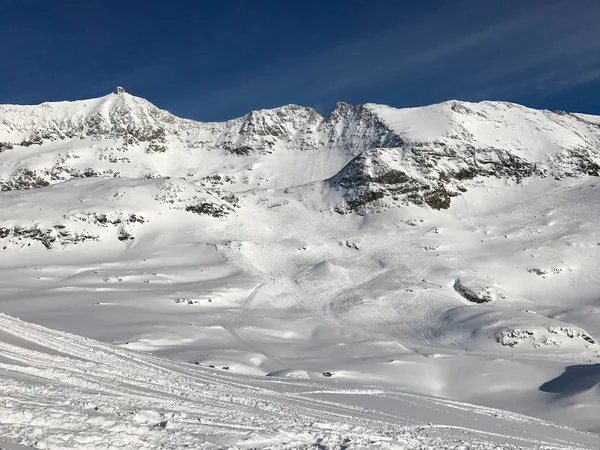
[[63, 391], [449, 251]]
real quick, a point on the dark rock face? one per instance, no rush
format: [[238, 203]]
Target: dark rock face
[[354, 128], [373, 178], [242, 150], [421, 174], [105, 220], [124, 235], [575, 163], [23, 179], [5, 146], [209, 209], [259, 132], [468, 294], [48, 237]]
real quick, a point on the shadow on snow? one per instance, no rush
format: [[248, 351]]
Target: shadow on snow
[[573, 380]]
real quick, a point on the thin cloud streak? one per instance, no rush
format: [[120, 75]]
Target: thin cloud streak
[[339, 68], [405, 53]]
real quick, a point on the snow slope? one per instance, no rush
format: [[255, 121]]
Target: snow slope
[[448, 251], [525, 132], [63, 391]]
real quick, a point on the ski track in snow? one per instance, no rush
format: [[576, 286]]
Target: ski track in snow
[[64, 391]]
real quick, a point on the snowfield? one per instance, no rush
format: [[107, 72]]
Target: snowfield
[[64, 391], [288, 280]]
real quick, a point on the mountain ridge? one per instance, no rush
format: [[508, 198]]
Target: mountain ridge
[[447, 143]]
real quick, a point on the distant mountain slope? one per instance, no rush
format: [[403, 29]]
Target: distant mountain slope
[[440, 147], [446, 145], [450, 250]]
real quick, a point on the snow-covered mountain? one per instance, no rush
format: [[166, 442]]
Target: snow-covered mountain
[[421, 155], [123, 135], [450, 250]]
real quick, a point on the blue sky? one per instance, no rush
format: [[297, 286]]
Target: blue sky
[[219, 59]]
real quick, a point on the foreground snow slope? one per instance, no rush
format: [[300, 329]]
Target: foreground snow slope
[[62, 391]]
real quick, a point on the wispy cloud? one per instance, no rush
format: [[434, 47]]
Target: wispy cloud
[[387, 55], [462, 50], [560, 50]]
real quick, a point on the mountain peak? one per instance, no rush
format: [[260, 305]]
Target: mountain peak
[[116, 114], [342, 109], [442, 145]]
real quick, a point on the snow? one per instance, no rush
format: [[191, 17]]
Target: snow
[[526, 132], [64, 391], [288, 320]]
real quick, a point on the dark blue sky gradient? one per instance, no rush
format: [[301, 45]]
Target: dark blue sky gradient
[[219, 59]]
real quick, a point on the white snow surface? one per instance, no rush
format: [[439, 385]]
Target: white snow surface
[[64, 391], [359, 276], [526, 132]]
